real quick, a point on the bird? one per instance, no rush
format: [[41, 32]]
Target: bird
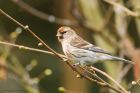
[[80, 51]]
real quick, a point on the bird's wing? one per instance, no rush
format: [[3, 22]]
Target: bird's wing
[[97, 49], [82, 44]]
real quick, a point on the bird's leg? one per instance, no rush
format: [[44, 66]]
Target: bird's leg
[[81, 63], [83, 67], [64, 59], [76, 64]]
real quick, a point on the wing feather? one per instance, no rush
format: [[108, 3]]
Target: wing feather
[[80, 43]]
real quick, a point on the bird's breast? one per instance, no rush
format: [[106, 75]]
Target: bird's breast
[[66, 49]]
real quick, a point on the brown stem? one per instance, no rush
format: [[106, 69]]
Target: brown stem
[[109, 77], [26, 28], [68, 61], [42, 15], [129, 12], [30, 48]]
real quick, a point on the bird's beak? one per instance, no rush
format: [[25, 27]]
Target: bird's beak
[[58, 35]]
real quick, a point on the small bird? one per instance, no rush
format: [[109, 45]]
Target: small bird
[[82, 52]]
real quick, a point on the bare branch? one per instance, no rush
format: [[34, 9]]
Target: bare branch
[[29, 48], [123, 72], [26, 28], [129, 12], [42, 15], [110, 78], [101, 82], [78, 69]]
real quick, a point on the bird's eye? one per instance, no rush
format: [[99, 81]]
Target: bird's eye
[[63, 32]]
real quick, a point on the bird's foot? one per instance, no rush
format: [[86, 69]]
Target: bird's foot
[[76, 64], [64, 59]]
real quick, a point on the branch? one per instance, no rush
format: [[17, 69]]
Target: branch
[[100, 82], [29, 84], [29, 48], [109, 77], [130, 50], [134, 83], [26, 28], [82, 21], [103, 82], [80, 18], [42, 15], [123, 72], [129, 12], [78, 69]]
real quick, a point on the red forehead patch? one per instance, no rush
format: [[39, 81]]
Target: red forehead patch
[[61, 29]]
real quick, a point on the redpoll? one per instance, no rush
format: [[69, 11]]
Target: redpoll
[[80, 51]]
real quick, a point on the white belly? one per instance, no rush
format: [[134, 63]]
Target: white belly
[[83, 56]]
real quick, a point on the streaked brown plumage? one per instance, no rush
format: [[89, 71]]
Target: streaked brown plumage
[[81, 51]]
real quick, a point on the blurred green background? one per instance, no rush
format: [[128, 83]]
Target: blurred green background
[[113, 27]]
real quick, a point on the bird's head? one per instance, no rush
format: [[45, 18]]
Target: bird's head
[[64, 33]]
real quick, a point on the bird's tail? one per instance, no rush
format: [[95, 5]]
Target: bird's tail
[[122, 60]]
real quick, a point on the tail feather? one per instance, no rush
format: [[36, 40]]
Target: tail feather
[[123, 60]]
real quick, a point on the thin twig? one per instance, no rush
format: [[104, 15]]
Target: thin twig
[[68, 62], [82, 21], [109, 77], [129, 12], [130, 50], [29, 86], [138, 82], [26, 28], [30, 48], [104, 83], [42, 15], [123, 72], [101, 82]]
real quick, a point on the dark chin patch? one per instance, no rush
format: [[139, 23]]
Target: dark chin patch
[[60, 37]]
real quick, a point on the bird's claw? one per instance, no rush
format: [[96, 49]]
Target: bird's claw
[[76, 64], [64, 59]]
